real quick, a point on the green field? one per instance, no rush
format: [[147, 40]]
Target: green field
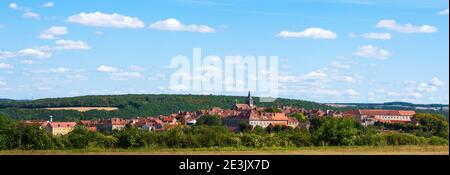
[[348, 150]]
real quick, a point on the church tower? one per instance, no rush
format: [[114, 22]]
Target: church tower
[[249, 99]]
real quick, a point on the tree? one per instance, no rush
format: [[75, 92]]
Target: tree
[[433, 123], [300, 117], [337, 131], [210, 120], [130, 137]]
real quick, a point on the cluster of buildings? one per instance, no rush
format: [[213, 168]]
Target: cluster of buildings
[[239, 113]]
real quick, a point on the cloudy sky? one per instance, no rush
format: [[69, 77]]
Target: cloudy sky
[[329, 50]]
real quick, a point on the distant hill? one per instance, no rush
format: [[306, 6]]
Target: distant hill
[[133, 105], [394, 105]]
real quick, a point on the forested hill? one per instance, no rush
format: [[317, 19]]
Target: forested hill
[[131, 105]]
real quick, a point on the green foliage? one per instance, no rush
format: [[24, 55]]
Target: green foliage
[[210, 120], [337, 131], [328, 131], [272, 110], [300, 117], [433, 123], [130, 137]]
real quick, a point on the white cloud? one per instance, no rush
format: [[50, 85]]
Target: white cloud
[[156, 77], [53, 32], [30, 14], [173, 24], [436, 82], [379, 36], [136, 68], [351, 92], [30, 52], [405, 28], [48, 5], [346, 79], [5, 66], [370, 51], [14, 6], [106, 20], [78, 77], [123, 76], [54, 70], [27, 62], [341, 65], [71, 45], [107, 69], [443, 12], [314, 33]]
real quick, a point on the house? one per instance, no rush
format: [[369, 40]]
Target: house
[[292, 122], [370, 116], [41, 123], [111, 124], [316, 112], [168, 120], [89, 125], [265, 119], [61, 128]]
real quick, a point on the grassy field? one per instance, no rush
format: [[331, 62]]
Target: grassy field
[[357, 150]]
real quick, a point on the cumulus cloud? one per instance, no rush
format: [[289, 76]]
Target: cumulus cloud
[[342, 65], [53, 32], [136, 68], [71, 45], [156, 77], [107, 69], [370, 51], [405, 28], [173, 24], [54, 70], [30, 52], [2, 83], [48, 5], [14, 6], [436, 82], [351, 92], [32, 15], [314, 33], [123, 76], [27, 62], [378, 36], [99, 19], [5, 66], [443, 12]]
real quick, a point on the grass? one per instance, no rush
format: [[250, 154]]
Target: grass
[[330, 150]]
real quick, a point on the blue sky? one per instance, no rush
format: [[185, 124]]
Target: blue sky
[[330, 51]]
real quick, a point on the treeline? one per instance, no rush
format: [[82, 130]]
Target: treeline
[[130, 105], [209, 133]]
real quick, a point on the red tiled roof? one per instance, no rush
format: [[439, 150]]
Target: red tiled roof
[[266, 116], [386, 112], [292, 120]]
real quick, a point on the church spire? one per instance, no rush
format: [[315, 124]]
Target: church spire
[[249, 100]]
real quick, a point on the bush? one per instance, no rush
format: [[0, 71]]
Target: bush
[[438, 141]]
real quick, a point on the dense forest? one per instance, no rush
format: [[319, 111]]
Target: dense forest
[[138, 105]]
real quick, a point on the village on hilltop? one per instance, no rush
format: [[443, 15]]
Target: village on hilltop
[[247, 113]]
